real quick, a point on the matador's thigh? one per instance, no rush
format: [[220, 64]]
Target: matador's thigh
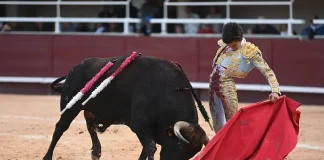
[[228, 95], [222, 97]]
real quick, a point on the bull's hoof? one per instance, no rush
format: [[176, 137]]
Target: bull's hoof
[[94, 157]]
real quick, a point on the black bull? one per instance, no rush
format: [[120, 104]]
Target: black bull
[[150, 96]]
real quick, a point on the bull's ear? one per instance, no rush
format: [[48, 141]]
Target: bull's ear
[[170, 131]]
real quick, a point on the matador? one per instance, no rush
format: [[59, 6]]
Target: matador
[[235, 58]]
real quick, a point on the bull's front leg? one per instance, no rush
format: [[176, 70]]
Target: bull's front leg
[[141, 126], [145, 136], [61, 126], [143, 155], [96, 146]]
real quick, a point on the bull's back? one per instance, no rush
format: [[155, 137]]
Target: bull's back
[[148, 80]]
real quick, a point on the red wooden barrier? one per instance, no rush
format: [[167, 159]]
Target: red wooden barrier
[[180, 50], [299, 62], [69, 51], [295, 62], [25, 55]]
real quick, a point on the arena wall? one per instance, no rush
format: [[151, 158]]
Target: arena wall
[[295, 62]]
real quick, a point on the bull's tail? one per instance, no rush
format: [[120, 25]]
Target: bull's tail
[[200, 105], [57, 89], [191, 88]]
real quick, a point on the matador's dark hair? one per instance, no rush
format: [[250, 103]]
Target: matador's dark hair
[[232, 32]]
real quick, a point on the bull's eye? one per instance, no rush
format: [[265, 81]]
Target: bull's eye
[[100, 125]]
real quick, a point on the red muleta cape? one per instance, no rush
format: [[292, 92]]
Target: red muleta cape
[[261, 131]]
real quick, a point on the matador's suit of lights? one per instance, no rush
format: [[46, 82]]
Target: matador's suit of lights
[[234, 59]]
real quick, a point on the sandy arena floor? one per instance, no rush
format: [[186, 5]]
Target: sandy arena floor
[[27, 124]]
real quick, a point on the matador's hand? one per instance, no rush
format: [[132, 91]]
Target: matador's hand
[[274, 97]]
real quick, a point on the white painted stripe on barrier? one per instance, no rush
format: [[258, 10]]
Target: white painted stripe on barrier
[[27, 79], [261, 87], [196, 85], [307, 146]]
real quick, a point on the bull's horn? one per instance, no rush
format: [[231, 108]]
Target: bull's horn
[[177, 127]]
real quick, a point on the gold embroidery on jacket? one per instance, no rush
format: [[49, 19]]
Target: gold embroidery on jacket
[[264, 68]]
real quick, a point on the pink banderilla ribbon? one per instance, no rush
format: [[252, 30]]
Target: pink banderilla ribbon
[[110, 78], [86, 88]]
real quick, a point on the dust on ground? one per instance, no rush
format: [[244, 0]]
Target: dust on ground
[[27, 124]]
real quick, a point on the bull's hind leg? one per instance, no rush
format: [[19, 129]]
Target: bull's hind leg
[[96, 146], [61, 126]]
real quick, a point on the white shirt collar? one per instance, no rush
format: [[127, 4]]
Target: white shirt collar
[[243, 41]]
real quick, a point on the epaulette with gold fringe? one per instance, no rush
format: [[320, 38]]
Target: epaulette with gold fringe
[[249, 50]]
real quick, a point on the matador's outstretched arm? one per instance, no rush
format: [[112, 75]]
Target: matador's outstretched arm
[[264, 68]]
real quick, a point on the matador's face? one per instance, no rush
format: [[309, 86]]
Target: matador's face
[[235, 45]]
